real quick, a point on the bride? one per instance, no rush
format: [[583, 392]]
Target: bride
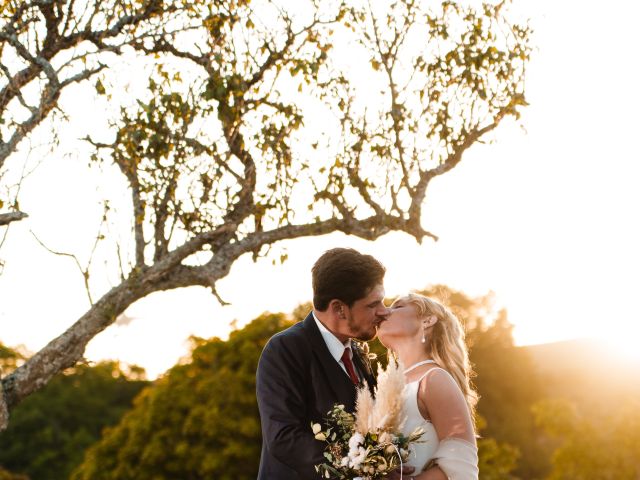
[[428, 339]]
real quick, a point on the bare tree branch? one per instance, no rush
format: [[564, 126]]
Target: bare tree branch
[[55, 43], [83, 271], [7, 218]]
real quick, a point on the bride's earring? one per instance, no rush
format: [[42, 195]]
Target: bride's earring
[[424, 333]]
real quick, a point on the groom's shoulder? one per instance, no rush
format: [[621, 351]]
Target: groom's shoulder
[[293, 337], [292, 333]]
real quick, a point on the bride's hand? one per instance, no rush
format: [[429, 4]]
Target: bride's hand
[[395, 475]]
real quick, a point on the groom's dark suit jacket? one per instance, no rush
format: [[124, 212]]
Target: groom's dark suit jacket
[[297, 383]]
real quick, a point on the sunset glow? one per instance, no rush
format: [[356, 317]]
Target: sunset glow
[[625, 344], [540, 214]]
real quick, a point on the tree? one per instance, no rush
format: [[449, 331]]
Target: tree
[[594, 447], [51, 429], [200, 420], [496, 461], [271, 138], [6, 475], [509, 385], [10, 359]]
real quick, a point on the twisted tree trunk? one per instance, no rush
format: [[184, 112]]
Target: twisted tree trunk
[[4, 412]]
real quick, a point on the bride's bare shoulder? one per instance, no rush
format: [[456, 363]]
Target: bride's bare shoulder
[[437, 385], [445, 404]]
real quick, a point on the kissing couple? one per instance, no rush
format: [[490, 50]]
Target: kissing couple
[[307, 369]]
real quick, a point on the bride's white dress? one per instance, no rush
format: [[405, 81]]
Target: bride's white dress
[[420, 453], [456, 457]]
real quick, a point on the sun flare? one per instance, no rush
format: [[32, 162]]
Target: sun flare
[[625, 344]]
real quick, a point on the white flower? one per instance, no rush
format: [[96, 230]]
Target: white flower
[[316, 428], [357, 457], [321, 436], [355, 441], [344, 462]]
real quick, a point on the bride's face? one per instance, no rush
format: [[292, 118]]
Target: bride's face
[[402, 323]]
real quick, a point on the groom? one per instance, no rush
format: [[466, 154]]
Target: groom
[[306, 369]]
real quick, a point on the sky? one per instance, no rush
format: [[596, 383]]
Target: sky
[[545, 217]]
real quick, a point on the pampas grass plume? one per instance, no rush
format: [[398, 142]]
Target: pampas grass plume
[[385, 413], [364, 408]]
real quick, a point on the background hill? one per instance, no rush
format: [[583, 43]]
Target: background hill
[[586, 372]]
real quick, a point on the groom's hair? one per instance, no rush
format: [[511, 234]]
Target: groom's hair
[[344, 274]]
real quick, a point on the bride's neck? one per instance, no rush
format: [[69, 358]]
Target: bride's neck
[[409, 355]]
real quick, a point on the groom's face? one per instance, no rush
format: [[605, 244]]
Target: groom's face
[[366, 314]]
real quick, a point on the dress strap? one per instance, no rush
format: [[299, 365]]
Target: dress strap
[[418, 364]]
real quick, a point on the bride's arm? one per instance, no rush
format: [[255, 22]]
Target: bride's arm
[[446, 407]]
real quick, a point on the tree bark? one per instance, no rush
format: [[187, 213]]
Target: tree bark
[[7, 218], [67, 349], [4, 412]]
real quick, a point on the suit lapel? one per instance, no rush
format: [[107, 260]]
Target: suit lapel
[[337, 380]]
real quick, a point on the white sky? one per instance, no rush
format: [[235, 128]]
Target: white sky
[[547, 219]]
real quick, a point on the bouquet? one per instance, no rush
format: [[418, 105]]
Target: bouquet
[[369, 444]]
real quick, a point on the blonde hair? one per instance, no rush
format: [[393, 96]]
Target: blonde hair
[[447, 344]]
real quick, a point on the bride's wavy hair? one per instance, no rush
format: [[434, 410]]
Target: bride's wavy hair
[[447, 344]]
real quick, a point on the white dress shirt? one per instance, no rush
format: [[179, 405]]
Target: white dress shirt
[[335, 346]]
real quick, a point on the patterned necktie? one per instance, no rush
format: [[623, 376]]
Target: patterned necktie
[[346, 359]]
